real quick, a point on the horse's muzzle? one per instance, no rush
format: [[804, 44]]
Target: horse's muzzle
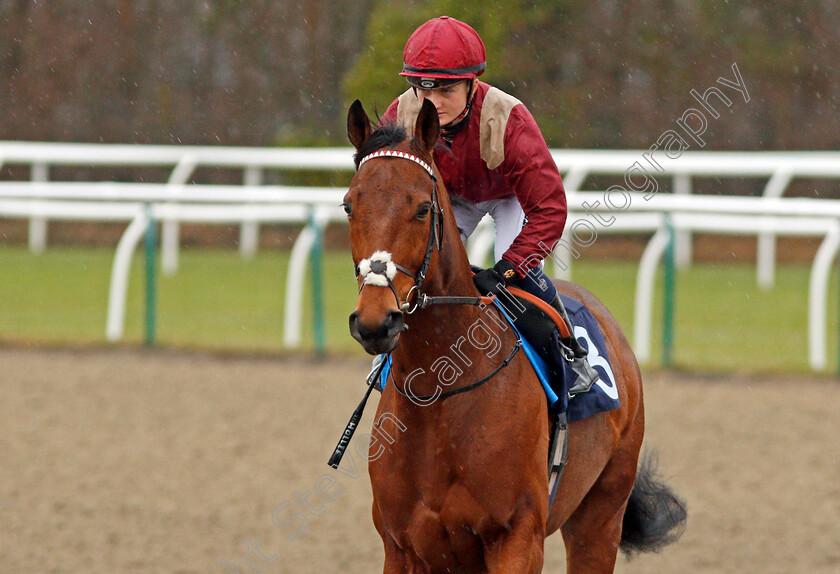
[[381, 338]]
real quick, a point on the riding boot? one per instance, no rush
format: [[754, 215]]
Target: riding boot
[[575, 354]]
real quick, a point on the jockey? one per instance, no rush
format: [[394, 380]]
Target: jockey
[[493, 159]]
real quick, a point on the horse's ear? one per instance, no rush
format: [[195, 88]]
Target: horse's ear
[[358, 125], [427, 128]]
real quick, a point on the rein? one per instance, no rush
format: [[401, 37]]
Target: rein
[[478, 383]]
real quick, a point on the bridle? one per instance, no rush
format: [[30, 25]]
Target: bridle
[[383, 272], [379, 267], [380, 270]]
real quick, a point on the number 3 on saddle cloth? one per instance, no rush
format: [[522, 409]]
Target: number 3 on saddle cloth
[[541, 343]]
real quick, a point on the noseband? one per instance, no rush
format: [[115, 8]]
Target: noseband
[[379, 270]]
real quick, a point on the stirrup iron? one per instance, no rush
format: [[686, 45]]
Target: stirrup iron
[[575, 354]]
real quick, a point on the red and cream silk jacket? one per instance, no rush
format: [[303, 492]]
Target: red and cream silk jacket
[[500, 153]]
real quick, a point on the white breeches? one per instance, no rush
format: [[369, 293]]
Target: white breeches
[[507, 214]]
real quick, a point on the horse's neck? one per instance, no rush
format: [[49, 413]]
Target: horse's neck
[[435, 325], [434, 330]]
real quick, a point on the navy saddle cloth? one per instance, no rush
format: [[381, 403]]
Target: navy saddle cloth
[[540, 341]]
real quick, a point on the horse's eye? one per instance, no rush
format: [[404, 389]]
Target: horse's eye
[[423, 210], [347, 208]]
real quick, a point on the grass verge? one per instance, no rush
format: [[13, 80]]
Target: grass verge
[[220, 301]]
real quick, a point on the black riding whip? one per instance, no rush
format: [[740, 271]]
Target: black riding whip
[[338, 453]]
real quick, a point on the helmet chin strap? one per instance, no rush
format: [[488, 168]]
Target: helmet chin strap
[[453, 128], [450, 130]]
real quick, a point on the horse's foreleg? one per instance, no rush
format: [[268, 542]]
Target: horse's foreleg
[[520, 550], [396, 560], [395, 563]]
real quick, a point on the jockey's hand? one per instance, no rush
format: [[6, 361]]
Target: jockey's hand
[[491, 281]]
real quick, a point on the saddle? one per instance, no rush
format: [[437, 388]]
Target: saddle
[[544, 329]]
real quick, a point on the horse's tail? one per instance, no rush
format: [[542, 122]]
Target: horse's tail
[[655, 516]]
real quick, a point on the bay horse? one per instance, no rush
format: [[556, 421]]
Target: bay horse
[[464, 487]]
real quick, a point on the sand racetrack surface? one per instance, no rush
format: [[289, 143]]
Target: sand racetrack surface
[[155, 461]]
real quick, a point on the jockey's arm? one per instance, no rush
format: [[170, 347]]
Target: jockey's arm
[[531, 172]]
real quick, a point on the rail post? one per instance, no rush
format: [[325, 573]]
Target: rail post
[[150, 249], [317, 284], [668, 299], [38, 225]]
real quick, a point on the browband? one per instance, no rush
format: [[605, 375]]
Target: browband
[[402, 154]]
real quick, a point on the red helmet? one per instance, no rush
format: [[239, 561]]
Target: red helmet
[[441, 51]]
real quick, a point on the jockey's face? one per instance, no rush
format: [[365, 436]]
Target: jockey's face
[[449, 101]]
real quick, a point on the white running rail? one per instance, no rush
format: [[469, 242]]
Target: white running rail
[[251, 204], [779, 167]]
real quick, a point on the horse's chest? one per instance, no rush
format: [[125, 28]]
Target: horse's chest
[[441, 528], [431, 499]]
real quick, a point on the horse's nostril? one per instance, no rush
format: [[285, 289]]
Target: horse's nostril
[[389, 328], [354, 324], [394, 321]]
